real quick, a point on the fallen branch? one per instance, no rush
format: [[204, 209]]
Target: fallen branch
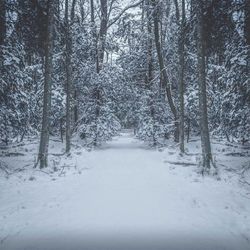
[[9, 154], [181, 163], [58, 154]]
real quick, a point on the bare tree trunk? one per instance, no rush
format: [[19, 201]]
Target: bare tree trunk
[[247, 31], [188, 129], [44, 140], [72, 12], [94, 49], [100, 42], [144, 2], [149, 45], [96, 60], [2, 29], [74, 88], [149, 66], [92, 11], [205, 139], [181, 70], [103, 31], [68, 77], [82, 11], [247, 21], [162, 67], [75, 106]]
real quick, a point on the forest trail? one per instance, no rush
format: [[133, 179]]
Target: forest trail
[[126, 196]]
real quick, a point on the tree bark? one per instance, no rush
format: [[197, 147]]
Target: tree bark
[[44, 140], [75, 106], [94, 49], [72, 12], [2, 29], [247, 21], [205, 139], [68, 77], [149, 45], [181, 75], [82, 11], [103, 32], [74, 88], [162, 67]]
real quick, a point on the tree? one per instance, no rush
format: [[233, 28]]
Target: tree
[[205, 139], [102, 32], [181, 80], [149, 76], [68, 76], [181, 24], [247, 21], [155, 4], [44, 139], [2, 29]]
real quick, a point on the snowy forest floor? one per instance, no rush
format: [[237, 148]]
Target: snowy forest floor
[[124, 195]]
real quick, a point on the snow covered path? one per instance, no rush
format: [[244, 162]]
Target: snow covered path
[[125, 197]]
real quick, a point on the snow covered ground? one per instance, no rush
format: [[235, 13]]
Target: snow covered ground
[[124, 195]]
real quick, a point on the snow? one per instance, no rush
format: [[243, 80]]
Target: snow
[[124, 195]]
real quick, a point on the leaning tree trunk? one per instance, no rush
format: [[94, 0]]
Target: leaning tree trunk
[[68, 77], [205, 139], [44, 140], [162, 67]]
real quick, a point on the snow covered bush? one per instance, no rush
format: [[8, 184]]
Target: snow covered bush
[[14, 90], [97, 119], [235, 113], [153, 120]]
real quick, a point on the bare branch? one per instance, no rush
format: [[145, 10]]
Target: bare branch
[[115, 19]]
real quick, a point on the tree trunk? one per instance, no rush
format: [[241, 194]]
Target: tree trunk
[[2, 29], [205, 139], [82, 11], [103, 32], [72, 12], [149, 66], [75, 107], [44, 140], [149, 46], [74, 88], [94, 49], [247, 21], [163, 69], [68, 78], [181, 75]]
